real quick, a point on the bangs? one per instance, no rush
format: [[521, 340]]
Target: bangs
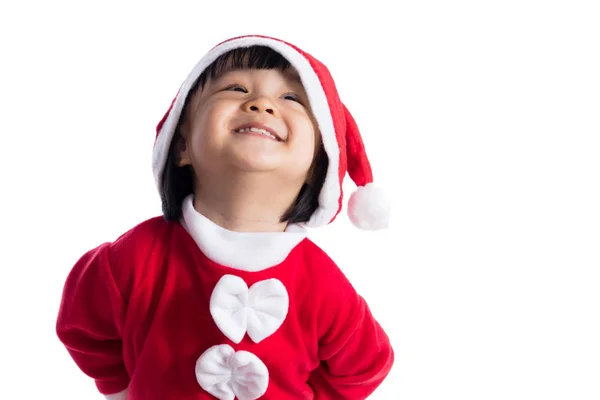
[[254, 57]]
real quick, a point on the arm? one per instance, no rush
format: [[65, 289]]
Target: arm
[[355, 352], [90, 322], [118, 396]]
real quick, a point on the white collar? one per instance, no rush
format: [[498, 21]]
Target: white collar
[[247, 251]]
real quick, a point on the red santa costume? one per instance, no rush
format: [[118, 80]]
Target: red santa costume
[[190, 310]]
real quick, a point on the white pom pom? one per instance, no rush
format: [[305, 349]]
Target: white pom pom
[[369, 208]]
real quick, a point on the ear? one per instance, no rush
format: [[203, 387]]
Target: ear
[[181, 151]]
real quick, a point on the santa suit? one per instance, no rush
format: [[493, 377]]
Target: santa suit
[[189, 310]]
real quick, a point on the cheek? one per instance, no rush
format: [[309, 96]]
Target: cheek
[[208, 133], [305, 146]]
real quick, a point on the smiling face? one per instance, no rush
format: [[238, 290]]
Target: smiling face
[[254, 120]]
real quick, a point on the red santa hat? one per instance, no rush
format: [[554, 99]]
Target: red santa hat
[[367, 207]]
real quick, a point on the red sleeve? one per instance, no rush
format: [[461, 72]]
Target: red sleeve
[[90, 321], [355, 352]]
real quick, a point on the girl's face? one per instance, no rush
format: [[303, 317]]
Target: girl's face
[[251, 120]]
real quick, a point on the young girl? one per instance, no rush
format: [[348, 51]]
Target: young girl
[[224, 296]]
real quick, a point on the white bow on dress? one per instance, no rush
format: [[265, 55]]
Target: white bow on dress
[[259, 310]]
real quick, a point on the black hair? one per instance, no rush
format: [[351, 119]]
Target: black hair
[[178, 182]]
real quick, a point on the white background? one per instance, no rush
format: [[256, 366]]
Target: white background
[[481, 118]]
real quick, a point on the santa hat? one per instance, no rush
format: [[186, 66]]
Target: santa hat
[[367, 206]]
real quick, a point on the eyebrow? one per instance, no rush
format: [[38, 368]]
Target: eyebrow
[[294, 76], [289, 73]]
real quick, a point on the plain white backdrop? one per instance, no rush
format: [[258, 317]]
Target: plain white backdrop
[[482, 119]]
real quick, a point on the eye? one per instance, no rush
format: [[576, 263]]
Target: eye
[[236, 88], [292, 96]]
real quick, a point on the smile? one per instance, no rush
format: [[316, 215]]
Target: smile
[[263, 131]]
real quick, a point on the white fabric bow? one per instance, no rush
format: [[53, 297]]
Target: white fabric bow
[[258, 311], [228, 375]]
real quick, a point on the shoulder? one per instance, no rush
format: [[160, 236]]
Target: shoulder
[[135, 252], [144, 233], [315, 257], [323, 273], [318, 260], [145, 239]]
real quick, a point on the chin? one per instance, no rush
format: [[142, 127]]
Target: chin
[[256, 158], [269, 159], [255, 163]]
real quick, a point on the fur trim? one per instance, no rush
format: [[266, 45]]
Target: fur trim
[[246, 251]]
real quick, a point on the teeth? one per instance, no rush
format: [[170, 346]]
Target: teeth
[[257, 130]]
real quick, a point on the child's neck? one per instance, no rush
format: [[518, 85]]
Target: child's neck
[[245, 204]]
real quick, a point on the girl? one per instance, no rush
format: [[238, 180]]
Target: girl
[[224, 296]]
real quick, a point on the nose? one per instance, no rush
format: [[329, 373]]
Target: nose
[[260, 104]]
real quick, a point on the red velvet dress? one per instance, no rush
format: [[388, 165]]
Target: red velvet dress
[[191, 311]]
